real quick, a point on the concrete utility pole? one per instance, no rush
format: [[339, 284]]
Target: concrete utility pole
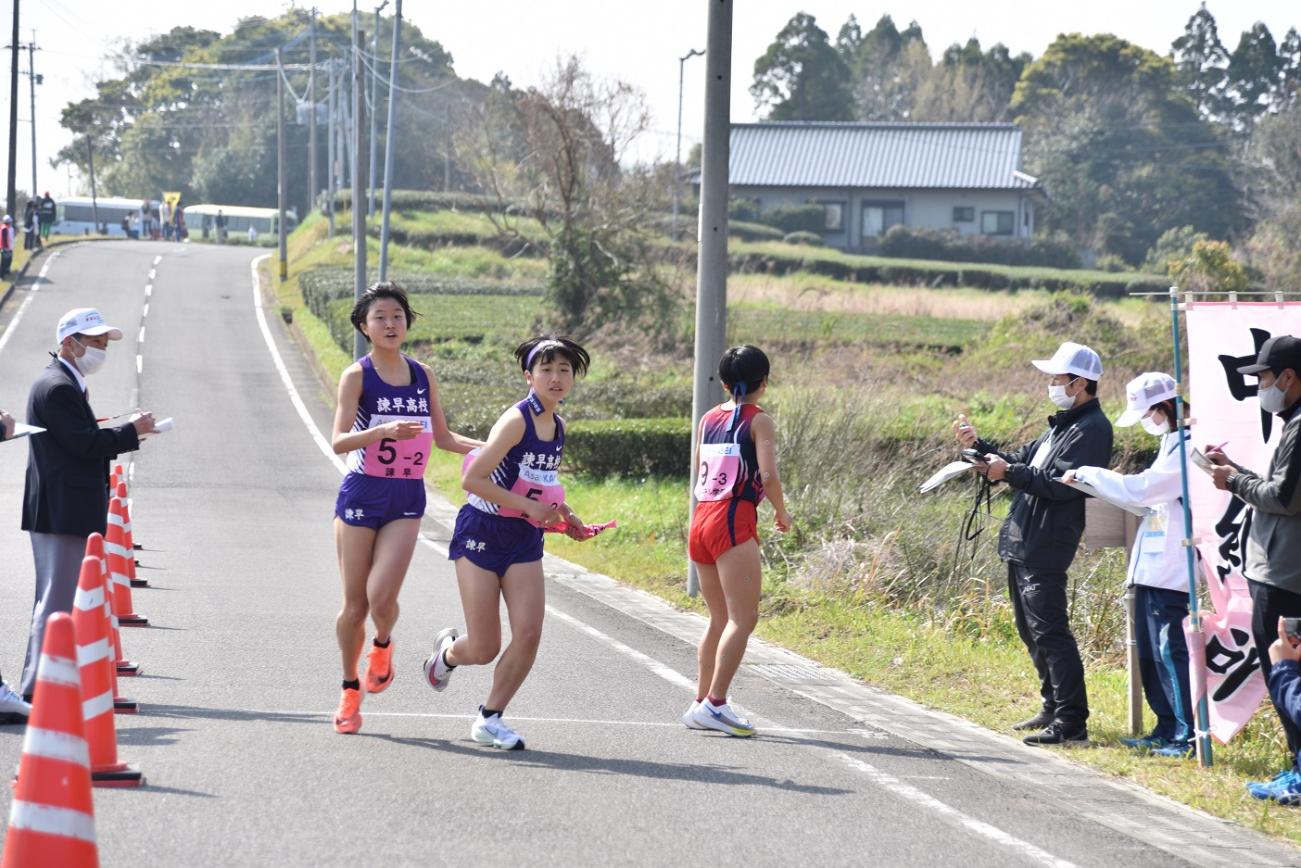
[[358, 200], [31, 74], [283, 236], [677, 160], [329, 148], [711, 273], [374, 107], [12, 201], [312, 189], [94, 200], [390, 133]]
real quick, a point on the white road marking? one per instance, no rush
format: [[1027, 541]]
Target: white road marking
[[294, 397], [971, 824], [144, 313], [153, 273], [22, 308], [582, 721], [149, 289], [141, 339], [663, 671], [140, 364], [158, 259]]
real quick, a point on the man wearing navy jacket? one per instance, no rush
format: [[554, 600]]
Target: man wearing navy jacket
[[66, 495]]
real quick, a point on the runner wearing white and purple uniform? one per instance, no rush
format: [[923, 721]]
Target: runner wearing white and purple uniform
[[497, 545], [387, 420]]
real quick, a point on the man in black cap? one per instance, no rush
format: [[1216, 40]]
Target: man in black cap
[[1273, 562]]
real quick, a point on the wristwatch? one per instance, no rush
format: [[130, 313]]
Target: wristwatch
[[1228, 482]]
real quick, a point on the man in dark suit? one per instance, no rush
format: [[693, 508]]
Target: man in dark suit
[[66, 496]]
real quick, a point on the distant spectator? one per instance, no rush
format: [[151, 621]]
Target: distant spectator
[[146, 220], [6, 245], [48, 212], [252, 234], [31, 232], [221, 227]]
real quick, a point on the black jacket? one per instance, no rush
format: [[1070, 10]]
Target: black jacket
[[67, 467], [1046, 519]]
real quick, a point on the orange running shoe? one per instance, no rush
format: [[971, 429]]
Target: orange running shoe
[[348, 718], [379, 668]]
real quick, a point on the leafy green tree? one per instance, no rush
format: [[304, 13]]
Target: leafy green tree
[[1209, 267], [1202, 63], [970, 85], [888, 68], [801, 77], [1254, 76], [1273, 163], [1121, 148]]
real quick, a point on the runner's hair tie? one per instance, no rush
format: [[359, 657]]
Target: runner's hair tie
[[738, 393], [549, 344]]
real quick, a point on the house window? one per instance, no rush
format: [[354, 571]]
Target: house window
[[833, 216], [964, 214], [878, 217], [997, 222]]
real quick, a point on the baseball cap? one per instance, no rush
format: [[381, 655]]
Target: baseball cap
[[85, 321], [1142, 392], [1277, 353], [1072, 358]]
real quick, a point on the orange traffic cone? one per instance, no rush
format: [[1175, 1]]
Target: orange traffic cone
[[95, 549], [129, 543], [97, 681], [52, 818], [116, 478], [118, 571]]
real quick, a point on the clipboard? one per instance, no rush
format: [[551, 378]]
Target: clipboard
[[24, 430], [1139, 511], [952, 470]]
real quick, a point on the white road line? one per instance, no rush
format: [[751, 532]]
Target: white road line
[[22, 308], [971, 824], [141, 339], [144, 313], [294, 397], [149, 289], [663, 671], [153, 273], [140, 364], [158, 259]]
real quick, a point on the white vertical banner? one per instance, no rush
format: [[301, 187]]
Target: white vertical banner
[[1223, 336]]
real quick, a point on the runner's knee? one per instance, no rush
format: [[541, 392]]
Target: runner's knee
[[477, 652]]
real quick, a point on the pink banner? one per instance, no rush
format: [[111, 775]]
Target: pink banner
[[1221, 337]]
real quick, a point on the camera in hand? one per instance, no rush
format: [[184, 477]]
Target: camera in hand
[[1292, 627], [973, 456]]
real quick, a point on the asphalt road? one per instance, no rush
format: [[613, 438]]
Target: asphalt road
[[241, 673]]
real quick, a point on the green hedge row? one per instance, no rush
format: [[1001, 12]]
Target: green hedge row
[[432, 200], [784, 259], [432, 239], [629, 447], [752, 231]]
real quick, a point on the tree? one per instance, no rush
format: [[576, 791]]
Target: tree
[[801, 77], [1254, 76], [888, 67], [1273, 163], [1202, 64], [1121, 148], [970, 85]]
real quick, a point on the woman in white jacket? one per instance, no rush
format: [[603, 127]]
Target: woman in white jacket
[[1158, 566]]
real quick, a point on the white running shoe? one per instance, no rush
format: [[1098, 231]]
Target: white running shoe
[[12, 707], [491, 730], [722, 718], [437, 673], [689, 718]]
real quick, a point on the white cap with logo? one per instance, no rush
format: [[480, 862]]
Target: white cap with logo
[[1072, 358], [84, 321], [1142, 393]]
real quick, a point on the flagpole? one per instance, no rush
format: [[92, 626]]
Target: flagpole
[[1197, 653]]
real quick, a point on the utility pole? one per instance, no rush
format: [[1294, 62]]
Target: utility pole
[[347, 157], [94, 203], [12, 201], [312, 189], [31, 74], [329, 148], [677, 160], [283, 236], [374, 106], [389, 130], [711, 269], [358, 201]]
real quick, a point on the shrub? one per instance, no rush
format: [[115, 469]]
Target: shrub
[[752, 231], [432, 200], [1210, 267], [629, 447], [794, 218], [951, 246], [812, 239], [1174, 243], [746, 210]]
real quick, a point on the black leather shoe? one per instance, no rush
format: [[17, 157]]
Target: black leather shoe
[[1039, 721], [1058, 732]]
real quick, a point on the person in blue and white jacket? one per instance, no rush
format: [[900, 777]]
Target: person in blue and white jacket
[[1158, 566]]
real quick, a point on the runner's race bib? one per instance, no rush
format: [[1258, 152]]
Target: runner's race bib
[[399, 459], [720, 465], [540, 485]]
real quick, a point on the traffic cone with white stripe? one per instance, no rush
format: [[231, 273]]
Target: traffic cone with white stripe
[[95, 549], [52, 818], [97, 681], [128, 538], [118, 555]]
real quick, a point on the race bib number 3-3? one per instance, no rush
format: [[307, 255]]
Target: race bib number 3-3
[[399, 459], [720, 465]]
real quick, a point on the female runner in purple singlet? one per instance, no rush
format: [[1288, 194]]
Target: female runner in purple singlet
[[388, 419], [497, 546]]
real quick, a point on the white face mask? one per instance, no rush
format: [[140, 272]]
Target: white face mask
[[92, 360], [1057, 394], [1272, 399], [1155, 429]]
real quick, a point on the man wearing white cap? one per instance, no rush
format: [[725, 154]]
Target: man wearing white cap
[[1158, 565], [1042, 531], [66, 495]]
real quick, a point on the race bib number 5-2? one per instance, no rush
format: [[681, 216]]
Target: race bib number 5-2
[[540, 485], [720, 465], [399, 459]]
